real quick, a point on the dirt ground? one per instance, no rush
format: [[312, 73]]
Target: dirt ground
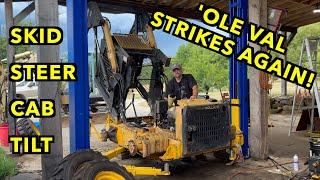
[[281, 148]]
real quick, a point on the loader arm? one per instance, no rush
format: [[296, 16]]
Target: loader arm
[[127, 61]]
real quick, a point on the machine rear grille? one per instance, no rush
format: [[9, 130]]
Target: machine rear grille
[[206, 127]]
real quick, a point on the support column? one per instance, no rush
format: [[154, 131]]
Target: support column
[[47, 15], [10, 59], [284, 90], [238, 71], [78, 90], [258, 97], [284, 82]]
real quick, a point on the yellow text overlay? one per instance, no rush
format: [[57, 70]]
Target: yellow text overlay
[[42, 72], [35, 35], [20, 108], [31, 144], [225, 46]]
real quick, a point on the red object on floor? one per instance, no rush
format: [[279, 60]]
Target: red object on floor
[[4, 133]]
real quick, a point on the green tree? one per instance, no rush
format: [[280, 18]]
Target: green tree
[[208, 68], [18, 49], [294, 48], [3, 48]]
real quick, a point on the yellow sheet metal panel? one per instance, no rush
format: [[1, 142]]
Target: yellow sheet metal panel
[[194, 102], [179, 128]]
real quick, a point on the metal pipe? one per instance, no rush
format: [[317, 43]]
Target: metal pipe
[[78, 54]]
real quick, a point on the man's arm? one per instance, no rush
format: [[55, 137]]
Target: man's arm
[[194, 85], [195, 92], [169, 89]]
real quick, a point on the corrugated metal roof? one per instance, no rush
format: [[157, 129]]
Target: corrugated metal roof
[[132, 42], [297, 12]]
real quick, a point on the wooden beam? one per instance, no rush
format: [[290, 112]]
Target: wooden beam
[[177, 3], [284, 57], [307, 2], [166, 2], [126, 7], [214, 3], [296, 16], [288, 29], [193, 4], [290, 38], [297, 12], [47, 15], [259, 106], [307, 17], [222, 6], [10, 59], [23, 14], [308, 22], [278, 3]]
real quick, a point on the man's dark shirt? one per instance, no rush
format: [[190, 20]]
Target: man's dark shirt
[[182, 89]]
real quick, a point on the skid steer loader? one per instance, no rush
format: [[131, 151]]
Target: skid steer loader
[[200, 126]]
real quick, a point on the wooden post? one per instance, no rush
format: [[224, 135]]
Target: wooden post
[[47, 15], [10, 59], [284, 82], [258, 96]]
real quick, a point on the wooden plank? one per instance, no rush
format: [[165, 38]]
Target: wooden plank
[[193, 4], [308, 22], [297, 13], [307, 2], [288, 29], [278, 3], [178, 3], [214, 3], [308, 17]]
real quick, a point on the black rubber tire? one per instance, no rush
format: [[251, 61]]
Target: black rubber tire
[[69, 165], [222, 155], [90, 169], [24, 127]]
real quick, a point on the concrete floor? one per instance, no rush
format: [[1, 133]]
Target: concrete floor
[[281, 147]]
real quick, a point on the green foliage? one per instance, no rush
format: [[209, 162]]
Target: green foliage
[[294, 49], [7, 165], [207, 67], [18, 49]]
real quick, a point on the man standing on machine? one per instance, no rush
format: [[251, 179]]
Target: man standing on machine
[[182, 86]]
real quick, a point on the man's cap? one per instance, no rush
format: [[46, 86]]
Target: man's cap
[[176, 66]]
